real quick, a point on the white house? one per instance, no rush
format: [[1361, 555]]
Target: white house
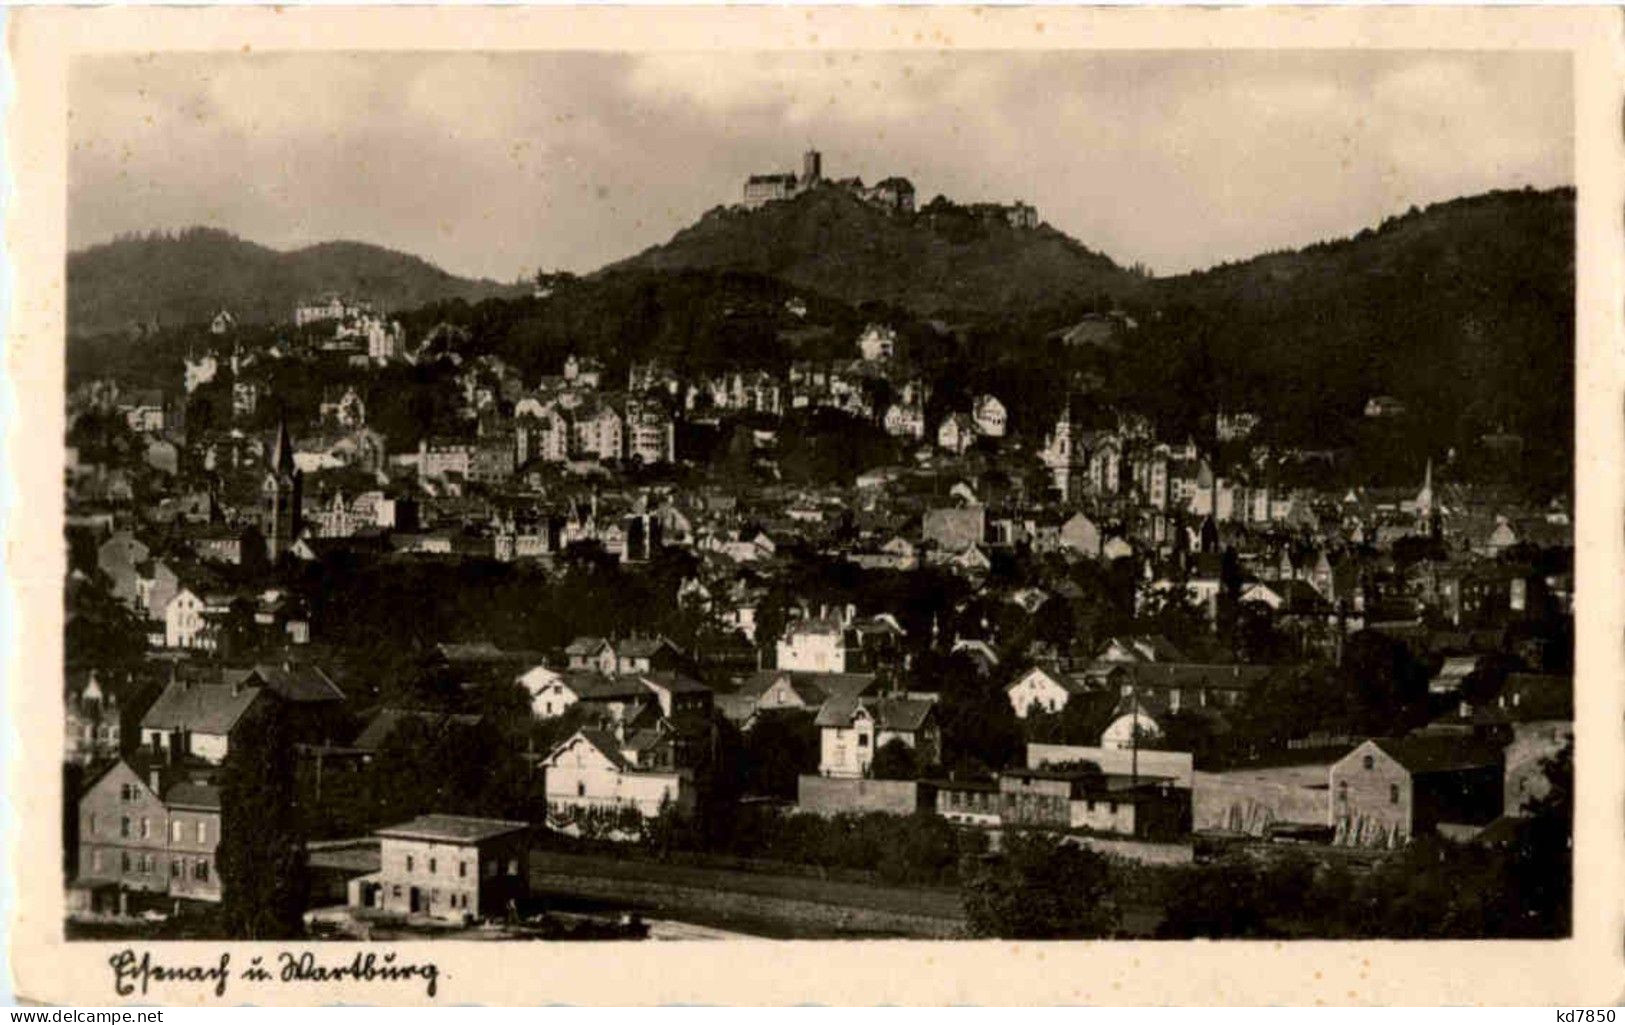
[[877, 342], [1044, 690], [905, 420], [184, 622], [590, 770], [550, 693], [989, 415], [813, 646], [851, 729]]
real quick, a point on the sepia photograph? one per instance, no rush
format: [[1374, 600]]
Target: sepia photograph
[[841, 493]]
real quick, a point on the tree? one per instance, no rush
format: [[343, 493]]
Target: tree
[[264, 881], [1386, 686], [1039, 888], [780, 747], [1222, 900], [895, 760]]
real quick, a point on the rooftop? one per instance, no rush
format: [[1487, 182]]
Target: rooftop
[[452, 829]]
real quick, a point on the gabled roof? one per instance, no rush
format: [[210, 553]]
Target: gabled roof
[[1072, 683], [642, 647], [676, 683], [1421, 755], [599, 687], [301, 684], [813, 688], [200, 707], [586, 646], [901, 714], [1189, 674], [385, 721]]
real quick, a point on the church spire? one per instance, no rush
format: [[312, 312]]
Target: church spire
[[282, 448]]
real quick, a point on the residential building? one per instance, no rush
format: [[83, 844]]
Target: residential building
[[877, 342], [198, 720], [957, 433], [598, 770], [449, 867], [905, 421], [989, 416], [852, 729], [149, 829], [813, 645]]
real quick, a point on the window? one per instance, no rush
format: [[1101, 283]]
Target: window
[[96, 860], [146, 828], [462, 870], [90, 824], [490, 870], [1393, 793], [431, 866], [581, 788], [397, 891], [1368, 761], [202, 872], [123, 861], [1343, 790], [863, 740], [202, 831], [513, 866], [409, 863], [176, 830], [124, 826], [175, 868]]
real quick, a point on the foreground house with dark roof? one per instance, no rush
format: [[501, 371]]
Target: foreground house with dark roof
[[450, 867], [199, 719], [1388, 791]]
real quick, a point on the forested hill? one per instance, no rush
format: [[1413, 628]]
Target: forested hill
[[187, 277], [1464, 311], [942, 259]]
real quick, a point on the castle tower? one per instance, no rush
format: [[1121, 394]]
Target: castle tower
[[812, 168], [281, 495]]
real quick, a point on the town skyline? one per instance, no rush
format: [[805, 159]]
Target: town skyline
[[582, 177]]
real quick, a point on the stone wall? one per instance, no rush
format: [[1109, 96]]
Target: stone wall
[[823, 795]]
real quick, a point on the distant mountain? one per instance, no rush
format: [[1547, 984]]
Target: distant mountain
[[942, 259], [188, 276], [1464, 311]]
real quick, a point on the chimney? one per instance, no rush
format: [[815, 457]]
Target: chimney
[[155, 777]]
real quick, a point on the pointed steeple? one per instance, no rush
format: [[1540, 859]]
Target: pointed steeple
[[1424, 498], [282, 449]]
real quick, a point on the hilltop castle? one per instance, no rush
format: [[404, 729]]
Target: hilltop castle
[[894, 194]]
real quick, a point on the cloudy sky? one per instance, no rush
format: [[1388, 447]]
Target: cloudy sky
[[497, 164]]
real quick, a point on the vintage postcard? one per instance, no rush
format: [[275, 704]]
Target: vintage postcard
[[958, 505]]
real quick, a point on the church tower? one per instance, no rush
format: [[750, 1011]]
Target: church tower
[[281, 495]]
